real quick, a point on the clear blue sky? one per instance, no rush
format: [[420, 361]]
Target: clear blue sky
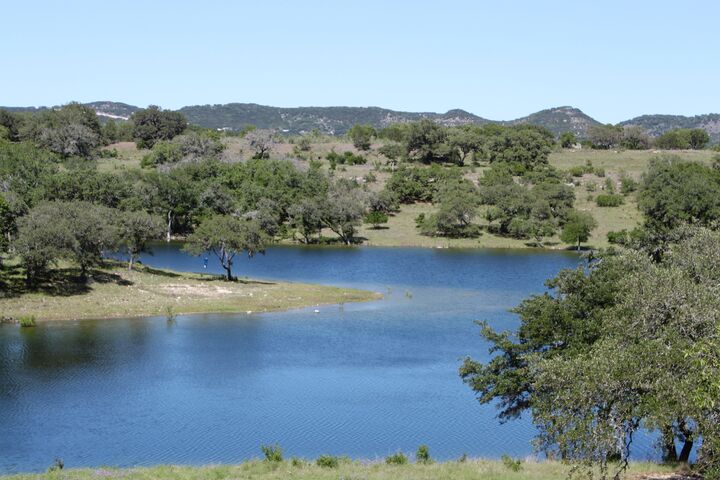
[[499, 59]]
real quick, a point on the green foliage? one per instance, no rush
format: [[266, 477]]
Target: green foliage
[[328, 461], [527, 146], [136, 229], [27, 321], [568, 140], [376, 218], [415, 184], [609, 200], [70, 131], [627, 185], [225, 236], [621, 237], [162, 152], [346, 158], [674, 192], [427, 142], [153, 124], [344, 209], [272, 453], [683, 138], [392, 150], [457, 203], [58, 464], [361, 136], [422, 455], [396, 459], [577, 228], [634, 138], [511, 464], [605, 137]]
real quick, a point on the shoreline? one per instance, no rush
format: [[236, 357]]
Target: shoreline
[[343, 467], [115, 293]]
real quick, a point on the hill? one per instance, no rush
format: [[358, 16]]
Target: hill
[[338, 120], [658, 124]]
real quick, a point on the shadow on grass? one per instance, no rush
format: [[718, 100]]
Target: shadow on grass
[[222, 279], [162, 273], [59, 282]]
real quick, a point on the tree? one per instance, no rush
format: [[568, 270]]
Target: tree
[[577, 228], [698, 138], [376, 218], [306, 217], [605, 137], [226, 236], [468, 139], [674, 192], [361, 136], [343, 211], [153, 124], [634, 138], [261, 142], [526, 146], [568, 140], [73, 130], [428, 142], [136, 229], [457, 208]]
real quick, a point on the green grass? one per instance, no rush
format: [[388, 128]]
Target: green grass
[[306, 470], [115, 292]]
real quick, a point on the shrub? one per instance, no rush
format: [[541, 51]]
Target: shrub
[[577, 171], [376, 218], [328, 461], [370, 177], [511, 464], [297, 462], [600, 172], [396, 459], [610, 200], [423, 454], [273, 453], [346, 158], [27, 321], [591, 186], [618, 238], [627, 185]]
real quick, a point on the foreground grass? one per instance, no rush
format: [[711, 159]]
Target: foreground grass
[[116, 292], [259, 470]]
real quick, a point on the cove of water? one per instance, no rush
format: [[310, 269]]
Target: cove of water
[[363, 380]]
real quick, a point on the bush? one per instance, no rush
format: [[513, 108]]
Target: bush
[[376, 218], [600, 172], [618, 238], [297, 462], [396, 459], [627, 185], [511, 464], [346, 158], [27, 321], [423, 454], [273, 453], [328, 461], [610, 200], [577, 171], [57, 465]]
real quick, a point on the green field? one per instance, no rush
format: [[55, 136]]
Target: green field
[[347, 470]]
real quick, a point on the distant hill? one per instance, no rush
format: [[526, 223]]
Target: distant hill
[[331, 120], [659, 124], [561, 119], [337, 120]]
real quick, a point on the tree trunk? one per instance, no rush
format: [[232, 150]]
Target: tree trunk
[[131, 262], [578, 245], [686, 449], [228, 272], [169, 225]]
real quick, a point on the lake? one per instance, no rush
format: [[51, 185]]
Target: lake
[[363, 380]]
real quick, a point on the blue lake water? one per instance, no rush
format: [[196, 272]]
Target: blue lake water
[[362, 380]]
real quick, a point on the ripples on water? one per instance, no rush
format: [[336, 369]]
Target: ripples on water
[[363, 379]]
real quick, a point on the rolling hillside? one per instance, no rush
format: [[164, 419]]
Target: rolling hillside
[[337, 120]]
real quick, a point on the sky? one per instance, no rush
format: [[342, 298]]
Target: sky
[[498, 59]]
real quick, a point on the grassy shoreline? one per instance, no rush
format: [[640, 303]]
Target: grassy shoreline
[[475, 469], [116, 292]]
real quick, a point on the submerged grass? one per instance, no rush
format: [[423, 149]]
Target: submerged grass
[[345, 469]]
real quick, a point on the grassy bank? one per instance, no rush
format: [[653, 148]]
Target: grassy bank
[[116, 292], [302, 470]]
